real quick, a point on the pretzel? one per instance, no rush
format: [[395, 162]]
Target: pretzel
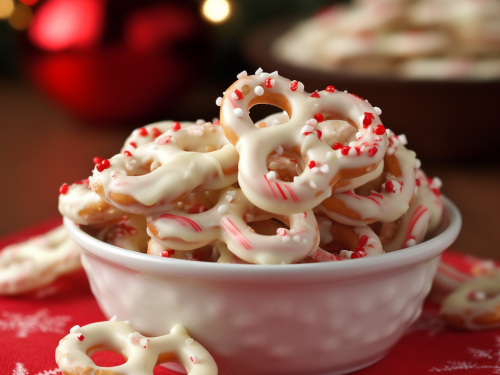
[[424, 215], [298, 138], [37, 262], [155, 176], [340, 241], [474, 305], [142, 353], [390, 196], [81, 205], [227, 222]]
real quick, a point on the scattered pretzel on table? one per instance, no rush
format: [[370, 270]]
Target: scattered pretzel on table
[[299, 138], [142, 353]]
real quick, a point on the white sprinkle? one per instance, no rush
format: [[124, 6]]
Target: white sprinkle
[[296, 238], [189, 341], [194, 359], [238, 112], [264, 75], [279, 150], [259, 90], [126, 322], [222, 209], [418, 163], [345, 90], [135, 337], [378, 111], [437, 183], [307, 129], [359, 135], [271, 175], [329, 155], [249, 217], [129, 166], [281, 232], [312, 184], [200, 121], [74, 329], [276, 122], [230, 192], [402, 138], [389, 132], [144, 342], [411, 242], [229, 198], [304, 240], [218, 101], [163, 139], [243, 74], [390, 151], [352, 152], [274, 74], [314, 169], [273, 165], [113, 318], [345, 254], [352, 144], [324, 168], [258, 71], [312, 122]]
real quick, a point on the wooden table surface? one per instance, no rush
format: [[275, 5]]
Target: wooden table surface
[[42, 146]]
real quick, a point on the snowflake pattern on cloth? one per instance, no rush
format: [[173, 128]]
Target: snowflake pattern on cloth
[[26, 324], [21, 370]]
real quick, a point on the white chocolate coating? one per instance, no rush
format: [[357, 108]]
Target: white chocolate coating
[[37, 262], [140, 137], [158, 174], [297, 136], [227, 222], [474, 305], [83, 206], [128, 233], [142, 353]]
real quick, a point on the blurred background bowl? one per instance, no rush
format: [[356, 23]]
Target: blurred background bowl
[[445, 119]]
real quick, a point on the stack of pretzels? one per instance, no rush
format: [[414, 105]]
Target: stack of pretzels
[[322, 180]]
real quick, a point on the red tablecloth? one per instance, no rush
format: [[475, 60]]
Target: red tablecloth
[[31, 326]]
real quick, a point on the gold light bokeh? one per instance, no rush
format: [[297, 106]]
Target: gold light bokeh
[[216, 11], [20, 19], [6, 8]]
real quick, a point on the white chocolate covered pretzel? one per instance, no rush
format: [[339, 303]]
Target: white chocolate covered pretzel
[[80, 204], [321, 165], [142, 353], [37, 262], [389, 198], [228, 222], [157, 175], [128, 232]]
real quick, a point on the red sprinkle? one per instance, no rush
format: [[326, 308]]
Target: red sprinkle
[[372, 151], [269, 83], [176, 126], [238, 93], [315, 94], [96, 160], [80, 337], [417, 182], [367, 120], [330, 89], [79, 182], [379, 129], [345, 150], [63, 189], [337, 146], [127, 153], [167, 253], [356, 96], [389, 186], [320, 134], [99, 167], [363, 240], [312, 164], [216, 122], [105, 164], [319, 117], [358, 150], [133, 144], [156, 132], [294, 85], [143, 132]]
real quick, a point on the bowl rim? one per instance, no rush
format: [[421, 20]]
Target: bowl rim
[[394, 261]]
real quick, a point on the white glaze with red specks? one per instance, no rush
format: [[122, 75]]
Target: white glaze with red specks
[[157, 174], [31, 264], [255, 144], [227, 222], [129, 232], [142, 353]]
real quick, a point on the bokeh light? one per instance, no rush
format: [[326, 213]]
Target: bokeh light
[[20, 19], [29, 2], [6, 8], [216, 11]]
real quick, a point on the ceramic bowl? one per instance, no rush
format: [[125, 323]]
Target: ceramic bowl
[[301, 319]]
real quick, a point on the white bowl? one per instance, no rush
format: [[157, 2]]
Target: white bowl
[[310, 319]]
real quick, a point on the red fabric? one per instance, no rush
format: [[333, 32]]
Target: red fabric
[[31, 326]]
